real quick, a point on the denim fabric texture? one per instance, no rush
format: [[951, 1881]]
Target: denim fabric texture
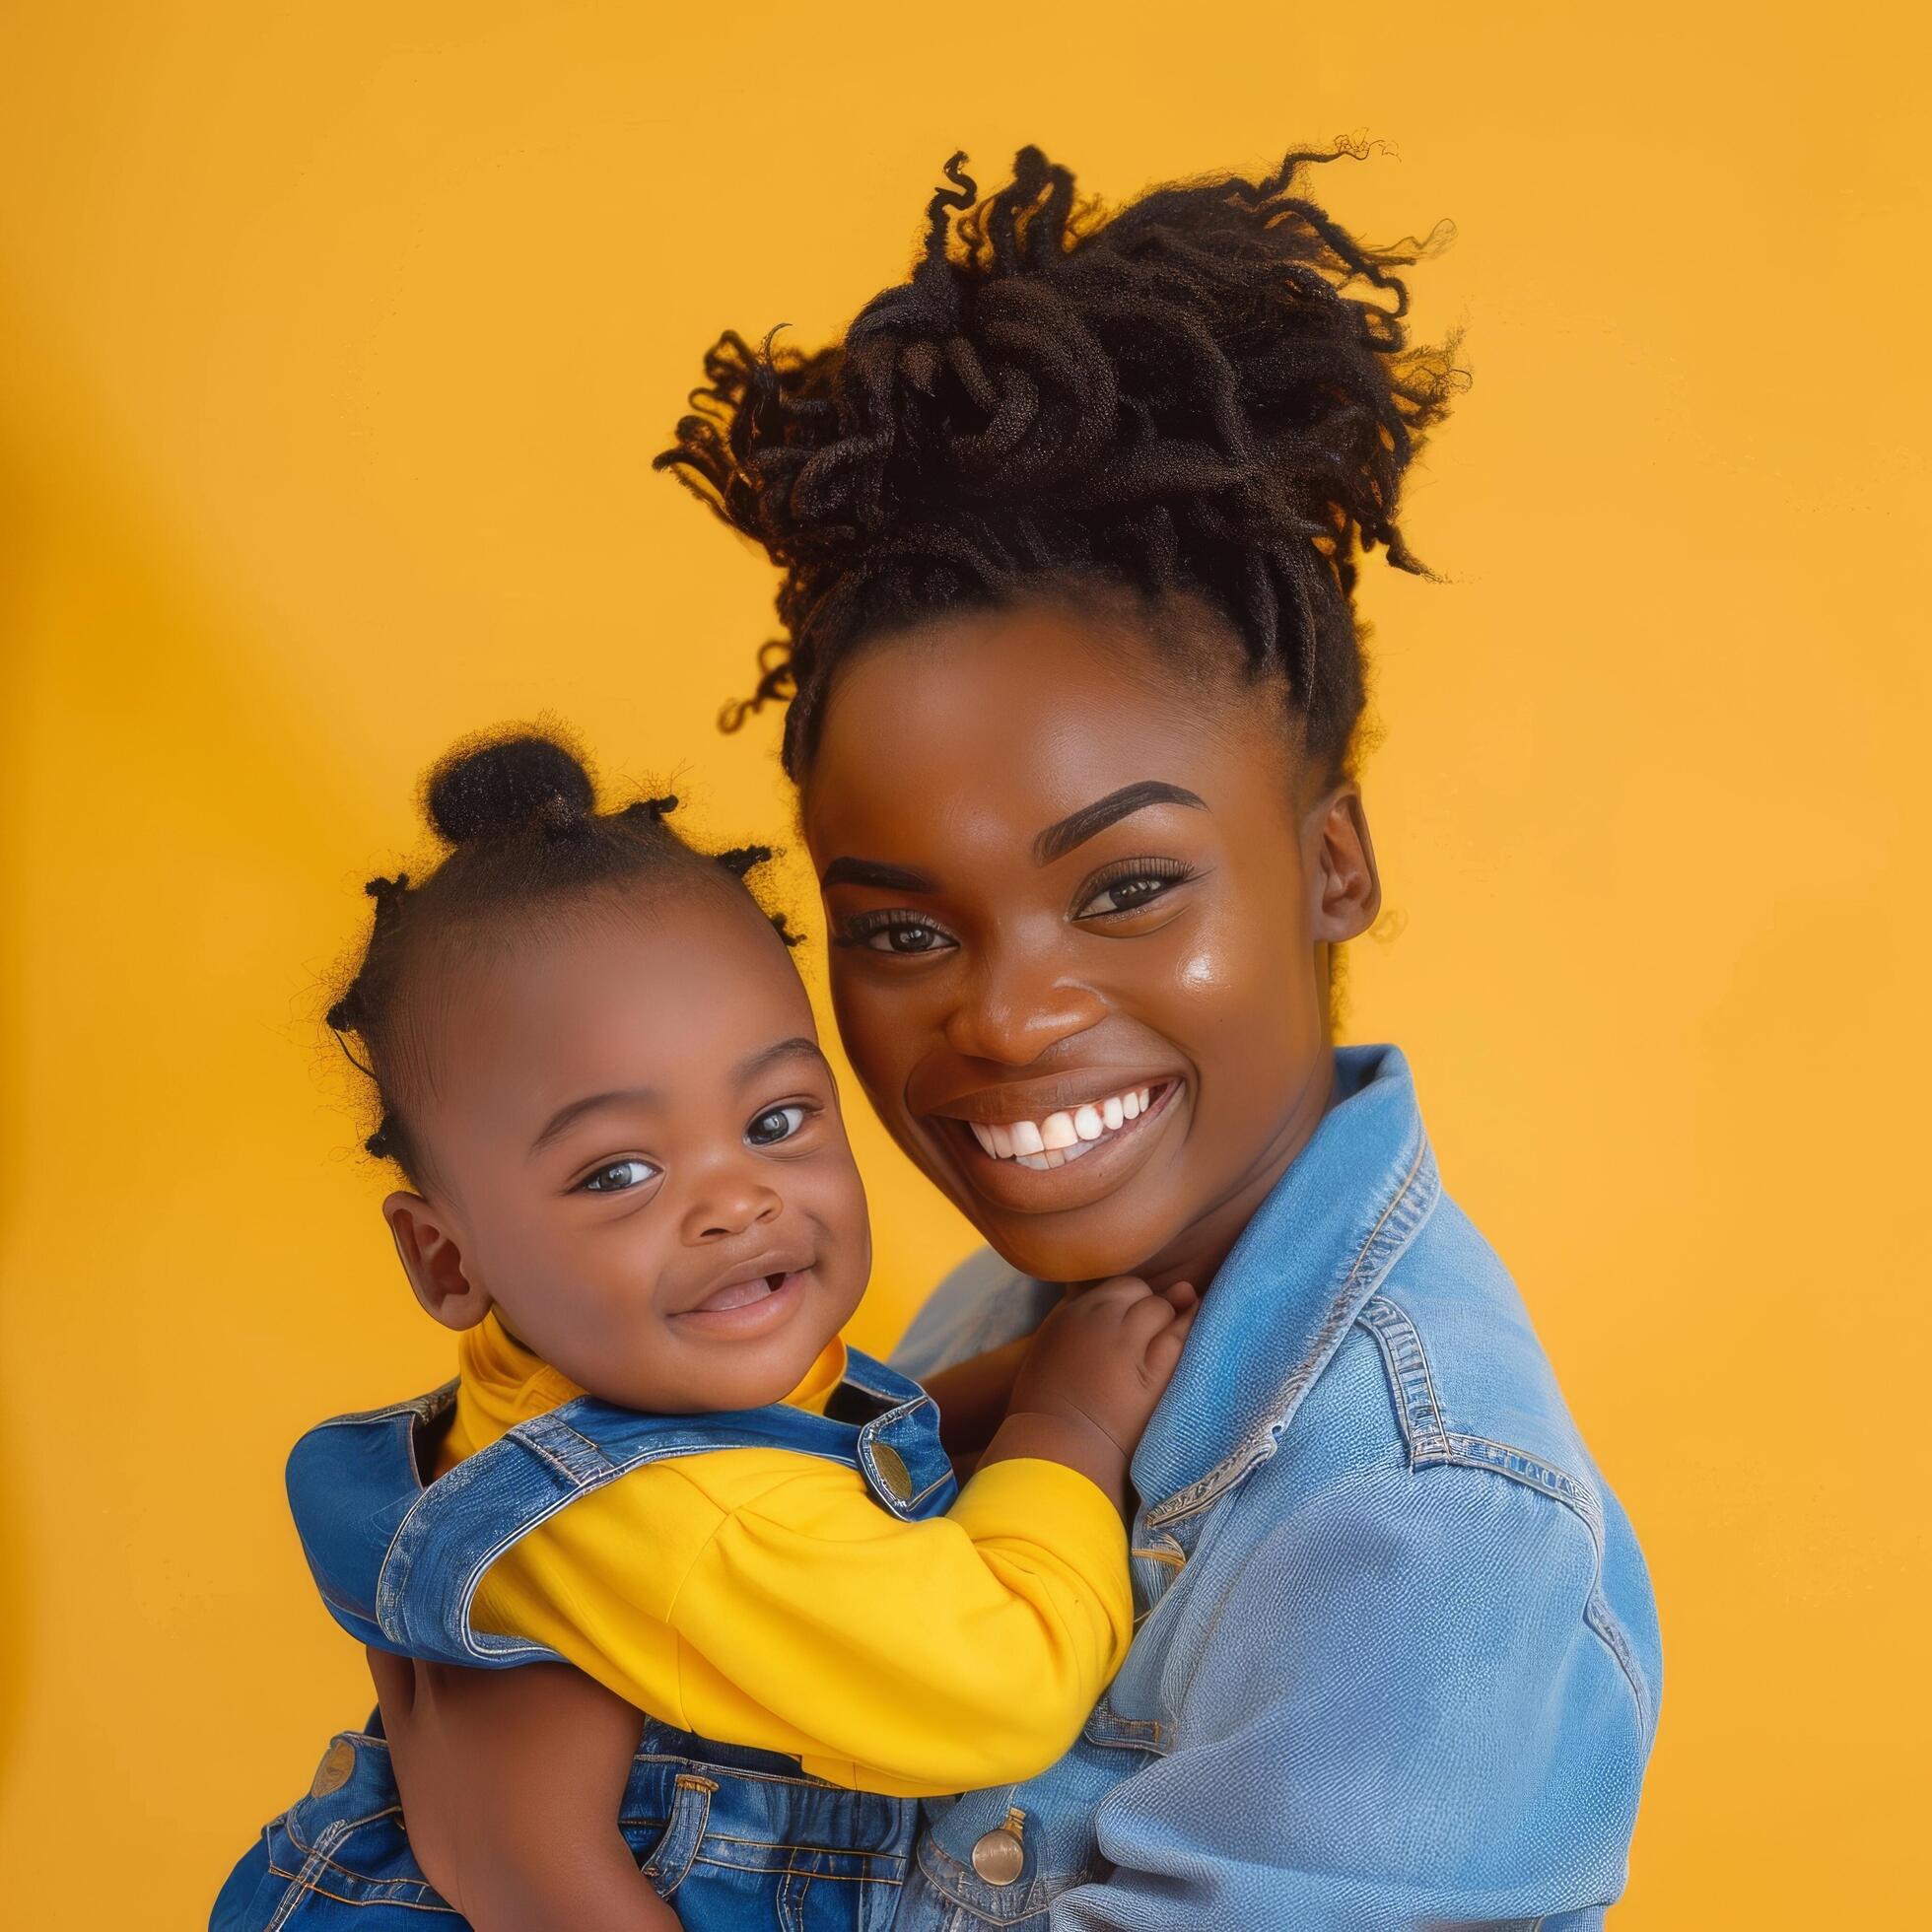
[[1397, 1663], [733, 1838]]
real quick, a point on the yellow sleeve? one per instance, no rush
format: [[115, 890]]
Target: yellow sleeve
[[786, 1610]]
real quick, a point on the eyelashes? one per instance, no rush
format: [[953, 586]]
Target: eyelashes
[[1131, 883], [903, 933], [1115, 891]]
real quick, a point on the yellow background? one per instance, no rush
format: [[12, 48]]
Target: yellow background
[[336, 341]]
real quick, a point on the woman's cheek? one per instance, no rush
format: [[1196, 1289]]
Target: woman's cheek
[[1247, 1007], [882, 1037], [1199, 972]]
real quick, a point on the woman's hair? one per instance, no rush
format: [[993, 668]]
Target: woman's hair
[[1206, 393], [520, 813]]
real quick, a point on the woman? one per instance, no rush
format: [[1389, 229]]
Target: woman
[[1068, 525]]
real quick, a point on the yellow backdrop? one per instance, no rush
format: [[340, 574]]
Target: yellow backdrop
[[337, 340]]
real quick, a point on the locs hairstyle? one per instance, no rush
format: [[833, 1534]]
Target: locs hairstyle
[[1209, 391], [520, 814]]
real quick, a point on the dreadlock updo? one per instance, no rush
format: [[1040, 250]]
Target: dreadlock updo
[[518, 812], [1207, 393]]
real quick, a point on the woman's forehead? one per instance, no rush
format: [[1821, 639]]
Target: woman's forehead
[[1023, 716]]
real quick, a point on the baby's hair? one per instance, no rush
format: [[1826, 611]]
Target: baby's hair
[[519, 811], [1181, 397]]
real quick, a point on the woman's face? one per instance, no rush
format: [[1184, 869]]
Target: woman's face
[[1079, 897]]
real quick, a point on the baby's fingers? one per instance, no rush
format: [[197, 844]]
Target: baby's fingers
[[1120, 1291], [1148, 1317], [1164, 1347]]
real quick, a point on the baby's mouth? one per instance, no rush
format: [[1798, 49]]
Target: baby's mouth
[[742, 1294]]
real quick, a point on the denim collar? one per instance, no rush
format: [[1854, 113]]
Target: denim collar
[[1294, 1282]]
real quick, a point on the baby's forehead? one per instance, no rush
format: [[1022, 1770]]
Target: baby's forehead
[[692, 977]]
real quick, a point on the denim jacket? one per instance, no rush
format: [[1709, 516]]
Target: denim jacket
[[734, 1837], [1398, 1661]]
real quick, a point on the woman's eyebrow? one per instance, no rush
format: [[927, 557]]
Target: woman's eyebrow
[[869, 871], [1060, 837]]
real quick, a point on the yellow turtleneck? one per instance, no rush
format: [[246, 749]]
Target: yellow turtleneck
[[763, 1598]]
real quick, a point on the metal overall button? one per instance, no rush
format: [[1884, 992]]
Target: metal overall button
[[332, 1774], [1000, 1856], [893, 1471]]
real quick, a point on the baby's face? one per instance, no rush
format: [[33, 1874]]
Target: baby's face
[[635, 1151]]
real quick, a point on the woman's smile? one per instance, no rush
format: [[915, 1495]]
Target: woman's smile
[[1042, 1147]]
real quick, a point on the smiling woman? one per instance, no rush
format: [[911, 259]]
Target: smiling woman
[[1068, 526], [1142, 904]]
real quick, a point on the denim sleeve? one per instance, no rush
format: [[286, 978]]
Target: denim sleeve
[[1406, 1718]]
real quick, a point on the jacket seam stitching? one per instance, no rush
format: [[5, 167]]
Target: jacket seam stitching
[[1390, 1324], [1404, 1358], [1597, 1614], [1406, 1211]]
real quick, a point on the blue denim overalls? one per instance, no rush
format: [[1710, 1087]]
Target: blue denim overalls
[[734, 1837]]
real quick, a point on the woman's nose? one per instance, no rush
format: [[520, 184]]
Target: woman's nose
[[1016, 1006], [729, 1207]]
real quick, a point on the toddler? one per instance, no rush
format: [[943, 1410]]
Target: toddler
[[629, 1192]]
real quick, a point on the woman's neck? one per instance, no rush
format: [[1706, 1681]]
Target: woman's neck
[[1195, 1254]]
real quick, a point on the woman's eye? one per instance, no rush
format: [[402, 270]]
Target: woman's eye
[[894, 932], [776, 1124], [1127, 892], [906, 938], [618, 1177]]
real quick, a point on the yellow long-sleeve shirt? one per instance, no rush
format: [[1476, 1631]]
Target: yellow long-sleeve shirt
[[763, 1598]]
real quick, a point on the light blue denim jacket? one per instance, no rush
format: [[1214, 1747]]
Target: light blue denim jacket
[[1398, 1660]]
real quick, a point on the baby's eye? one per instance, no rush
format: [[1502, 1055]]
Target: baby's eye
[[777, 1124], [618, 1177]]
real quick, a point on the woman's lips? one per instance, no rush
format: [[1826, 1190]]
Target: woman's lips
[[1056, 1174], [1055, 1139], [742, 1309]]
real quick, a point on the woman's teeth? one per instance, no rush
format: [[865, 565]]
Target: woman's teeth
[[1061, 1137]]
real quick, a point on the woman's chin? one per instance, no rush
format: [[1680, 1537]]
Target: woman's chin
[[1072, 1253]]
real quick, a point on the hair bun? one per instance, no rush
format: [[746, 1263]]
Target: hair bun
[[508, 785]]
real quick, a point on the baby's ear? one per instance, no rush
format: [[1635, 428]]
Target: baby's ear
[[426, 1245]]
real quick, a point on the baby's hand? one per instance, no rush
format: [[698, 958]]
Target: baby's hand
[[1106, 1355]]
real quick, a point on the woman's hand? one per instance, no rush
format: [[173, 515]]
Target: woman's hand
[[511, 1783]]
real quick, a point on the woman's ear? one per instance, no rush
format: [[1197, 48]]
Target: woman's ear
[[427, 1246], [1345, 887]]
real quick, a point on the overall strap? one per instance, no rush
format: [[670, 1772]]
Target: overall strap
[[351, 1482], [900, 1453], [399, 1563]]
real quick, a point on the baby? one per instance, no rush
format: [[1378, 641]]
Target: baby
[[629, 1192]]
